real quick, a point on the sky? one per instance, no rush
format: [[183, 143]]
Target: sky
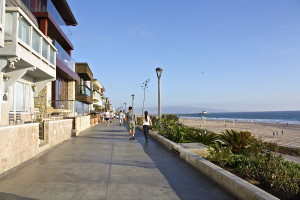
[[228, 55]]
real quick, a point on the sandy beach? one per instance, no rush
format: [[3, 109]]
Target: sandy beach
[[265, 131]]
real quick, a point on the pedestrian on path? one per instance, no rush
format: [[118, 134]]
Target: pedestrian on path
[[146, 125], [107, 115], [121, 117], [131, 122]]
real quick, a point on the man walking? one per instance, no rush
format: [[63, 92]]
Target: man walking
[[131, 122], [121, 117]]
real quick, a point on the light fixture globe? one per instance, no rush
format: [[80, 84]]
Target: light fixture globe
[[158, 72]]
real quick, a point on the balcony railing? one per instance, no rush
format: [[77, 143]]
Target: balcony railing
[[63, 104], [96, 96], [84, 90], [47, 6], [81, 108], [64, 56], [18, 25]]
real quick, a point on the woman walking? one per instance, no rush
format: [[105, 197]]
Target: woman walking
[[146, 125]]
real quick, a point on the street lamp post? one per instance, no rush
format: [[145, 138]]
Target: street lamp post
[[132, 101], [144, 86], [158, 73], [125, 107]]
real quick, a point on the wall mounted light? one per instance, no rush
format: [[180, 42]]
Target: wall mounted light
[[5, 78], [34, 88]]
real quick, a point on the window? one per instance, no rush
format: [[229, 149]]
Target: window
[[45, 49], [52, 53], [19, 97], [8, 24], [36, 41], [23, 30]]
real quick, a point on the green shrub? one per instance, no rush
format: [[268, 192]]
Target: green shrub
[[238, 140], [273, 171], [220, 155]]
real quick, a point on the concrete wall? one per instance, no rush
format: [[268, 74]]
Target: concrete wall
[[82, 123], [17, 144], [57, 131]]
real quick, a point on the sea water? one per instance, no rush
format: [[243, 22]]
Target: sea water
[[282, 117]]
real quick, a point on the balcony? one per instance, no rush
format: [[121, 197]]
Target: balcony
[[47, 6], [58, 29], [84, 72], [83, 94], [96, 96], [65, 63], [26, 51]]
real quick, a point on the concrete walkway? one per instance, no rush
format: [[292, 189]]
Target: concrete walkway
[[102, 163]]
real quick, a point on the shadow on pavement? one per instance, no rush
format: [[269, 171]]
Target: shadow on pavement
[[185, 180], [8, 196]]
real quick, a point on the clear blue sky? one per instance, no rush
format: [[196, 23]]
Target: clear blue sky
[[230, 55]]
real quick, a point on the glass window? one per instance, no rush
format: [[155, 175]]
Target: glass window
[[27, 3], [45, 49], [8, 24], [23, 30], [52, 53], [19, 97], [36, 41]]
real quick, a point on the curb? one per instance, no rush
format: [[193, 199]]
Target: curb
[[230, 182]]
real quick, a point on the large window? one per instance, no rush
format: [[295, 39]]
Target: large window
[[19, 97]]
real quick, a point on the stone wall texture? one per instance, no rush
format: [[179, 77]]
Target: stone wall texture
[[57, 131], [82, 123], [17, 144]]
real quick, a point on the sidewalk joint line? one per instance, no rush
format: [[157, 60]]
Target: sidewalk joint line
[[110, 163]]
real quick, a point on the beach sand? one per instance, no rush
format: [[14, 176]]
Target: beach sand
[[264, 131]]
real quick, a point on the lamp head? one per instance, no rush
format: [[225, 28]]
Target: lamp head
[[158, 72]]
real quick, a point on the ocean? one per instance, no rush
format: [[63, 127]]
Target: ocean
[[282, 117]]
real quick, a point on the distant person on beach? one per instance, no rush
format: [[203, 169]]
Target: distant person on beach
[[282, 132], [131, 122], [121, 117], [146, 125]]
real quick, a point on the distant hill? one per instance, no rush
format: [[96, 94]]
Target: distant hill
[[178, 109]]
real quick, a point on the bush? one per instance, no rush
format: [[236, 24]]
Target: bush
[[238, 140], [222, 156], [273, 171]]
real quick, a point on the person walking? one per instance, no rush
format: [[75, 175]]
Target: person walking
[[131, 121], [121, 117], [146, 125], [107, 115]]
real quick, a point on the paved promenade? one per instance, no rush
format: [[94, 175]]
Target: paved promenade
[[102, 163]]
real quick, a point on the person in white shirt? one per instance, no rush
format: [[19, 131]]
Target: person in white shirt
[[146, 125], [121, 117], [107, 116]]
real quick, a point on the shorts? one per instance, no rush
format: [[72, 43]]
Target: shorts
[[106, 119], [131, 125]]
